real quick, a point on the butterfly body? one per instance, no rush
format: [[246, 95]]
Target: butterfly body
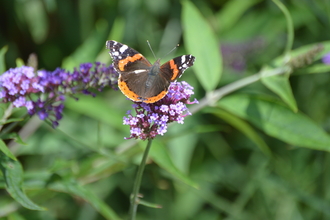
[[141, 81]]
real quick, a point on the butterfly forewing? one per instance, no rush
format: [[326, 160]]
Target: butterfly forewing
[[126, 59], [174, 68]]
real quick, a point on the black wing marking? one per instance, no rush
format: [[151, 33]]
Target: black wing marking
[[126, 59], [174, 68]]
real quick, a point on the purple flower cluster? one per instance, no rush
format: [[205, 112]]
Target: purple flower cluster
[[43, 92], [152, 119], [326, 59], [237, 55]]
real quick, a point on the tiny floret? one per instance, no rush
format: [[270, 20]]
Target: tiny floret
[[326, 59], [152, 119], [43, 92]]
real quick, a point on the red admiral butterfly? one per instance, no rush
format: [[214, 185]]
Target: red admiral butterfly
[[141, 81]]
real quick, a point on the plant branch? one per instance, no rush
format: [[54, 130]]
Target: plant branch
[[214, 96], [137, 183]]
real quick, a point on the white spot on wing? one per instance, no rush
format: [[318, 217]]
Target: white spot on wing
[[138, 71], [123, 48], [183, 59]]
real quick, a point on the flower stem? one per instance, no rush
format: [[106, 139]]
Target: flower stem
[[227, 89], [290, 27], [137, 183]]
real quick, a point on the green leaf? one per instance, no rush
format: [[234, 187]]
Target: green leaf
[[149, 204], [244, 127], [78, 190], [202, 43], [314, 69], [232, 12], [19, 62], [3, 51], [117, 30], [15, 137], [90, 48], [97, 109], [15, 216], [13, 175], [116, 33], [181, 156], [6, 151], [280, 85], [277, 120], [10, 120], [36, 19], [161, 156]]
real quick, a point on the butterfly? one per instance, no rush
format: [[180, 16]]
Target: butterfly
[[141, 81]]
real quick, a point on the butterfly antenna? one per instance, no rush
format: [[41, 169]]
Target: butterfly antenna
[[172, 50], [151, 49]]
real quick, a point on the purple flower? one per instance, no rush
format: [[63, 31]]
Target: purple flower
[[43, 92], [17, 82], [236, 55], [326, 59], [151, 119]]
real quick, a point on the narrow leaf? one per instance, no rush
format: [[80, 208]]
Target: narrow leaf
[[280, 85], [3, 51], [202, 43], [13, 175], [97, 109], [10, 120], [19, 62], [149, 204], [6, 151], [314, 69], [244, 127], [277, 120], [77, 190], [15, 216], [232, 12], [15, 137], [161, 156]]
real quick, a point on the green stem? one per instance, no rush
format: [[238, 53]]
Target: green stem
[[137, 183], [290, 27], [227, 89]]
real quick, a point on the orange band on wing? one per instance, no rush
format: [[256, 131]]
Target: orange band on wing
[[127, 92], [175, 70], [155, 98], [134, 97], [122, 63]]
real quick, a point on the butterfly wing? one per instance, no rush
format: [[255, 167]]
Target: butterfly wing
[[133, 68], [168, 72], [174, 68], [126, 59], [139, 80]]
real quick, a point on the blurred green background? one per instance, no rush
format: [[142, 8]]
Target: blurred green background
[[205, 169]]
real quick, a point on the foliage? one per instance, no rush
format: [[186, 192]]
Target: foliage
[[256, 147]]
